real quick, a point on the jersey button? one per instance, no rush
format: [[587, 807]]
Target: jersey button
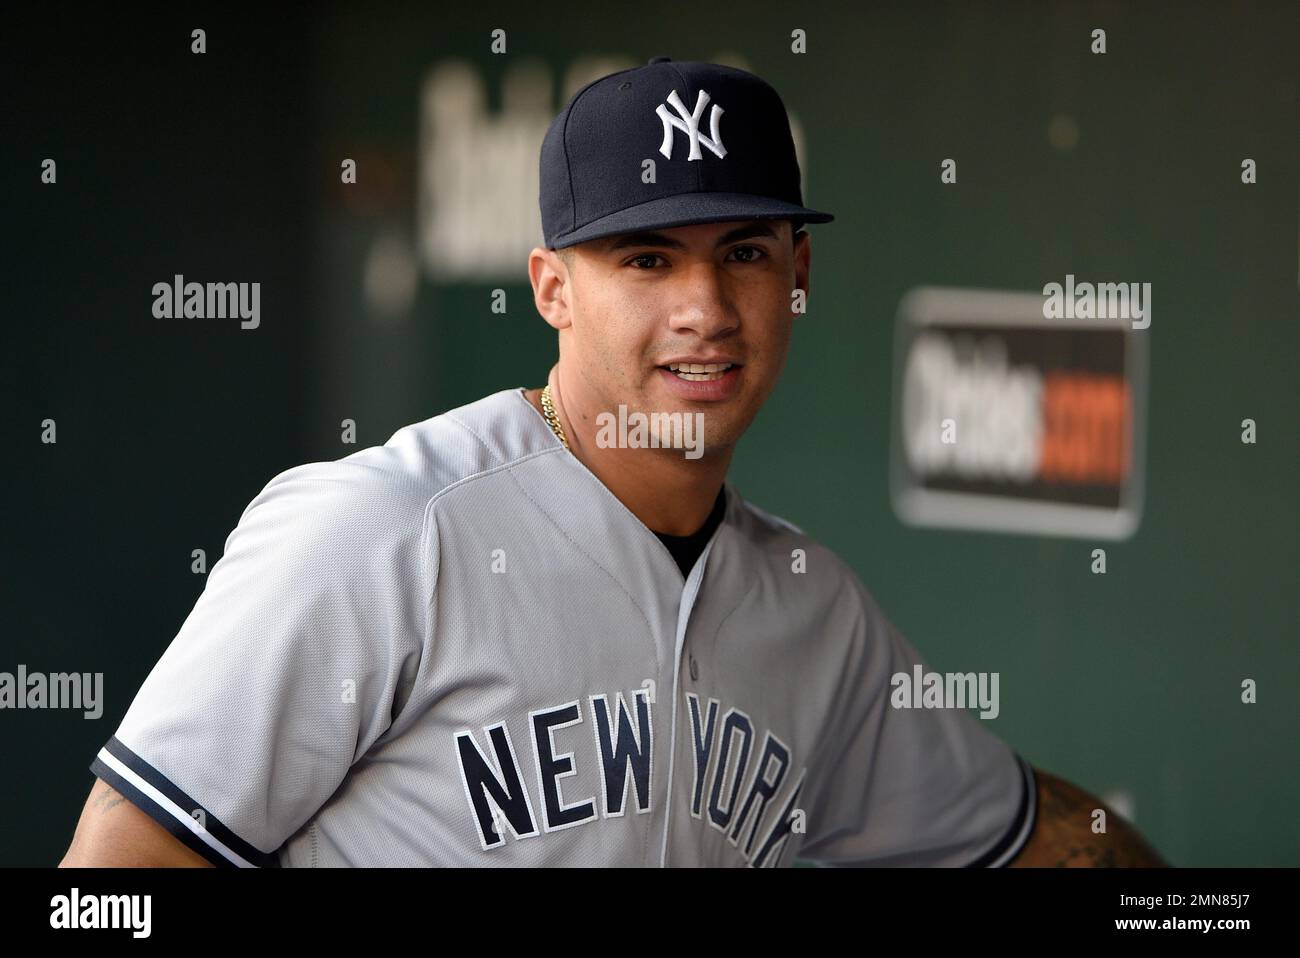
[[695, 670]]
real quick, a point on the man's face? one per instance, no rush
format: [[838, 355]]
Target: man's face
[[717, 295]]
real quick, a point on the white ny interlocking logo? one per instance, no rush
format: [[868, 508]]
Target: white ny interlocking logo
[[689, 123]]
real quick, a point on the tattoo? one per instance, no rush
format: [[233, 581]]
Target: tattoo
[[108, 799], [1088, 857], [1063, 836]]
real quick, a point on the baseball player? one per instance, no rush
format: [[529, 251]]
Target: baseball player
[[532, 631]]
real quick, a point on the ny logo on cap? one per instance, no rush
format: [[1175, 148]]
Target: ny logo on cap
[[689, 123]]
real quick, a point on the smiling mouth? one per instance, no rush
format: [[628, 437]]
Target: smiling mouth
[[699, 372]]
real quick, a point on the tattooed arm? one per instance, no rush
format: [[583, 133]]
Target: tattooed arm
[[113, 833], [1063, 835]]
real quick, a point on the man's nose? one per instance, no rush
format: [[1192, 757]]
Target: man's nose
[[702, 302]]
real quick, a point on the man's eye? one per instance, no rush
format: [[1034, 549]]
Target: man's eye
[[756, 251], [640, 261]]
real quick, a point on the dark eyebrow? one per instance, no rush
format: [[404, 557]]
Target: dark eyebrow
[[647, 238]]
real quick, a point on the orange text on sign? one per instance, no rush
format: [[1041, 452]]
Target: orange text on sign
[[1085, 429]]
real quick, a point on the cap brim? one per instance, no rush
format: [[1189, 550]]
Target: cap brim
[[689, 209]]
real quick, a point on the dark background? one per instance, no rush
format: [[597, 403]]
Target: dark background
[[225, 167]]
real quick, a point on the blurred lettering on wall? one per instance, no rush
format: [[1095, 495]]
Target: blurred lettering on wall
[[1007, 420]]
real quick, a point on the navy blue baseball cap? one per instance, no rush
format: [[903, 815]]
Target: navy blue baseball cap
[[719, 138]]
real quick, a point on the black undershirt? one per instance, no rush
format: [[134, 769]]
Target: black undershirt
[[686, 549]]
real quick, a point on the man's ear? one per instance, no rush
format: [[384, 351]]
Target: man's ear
[[803, 262], [552, 286]]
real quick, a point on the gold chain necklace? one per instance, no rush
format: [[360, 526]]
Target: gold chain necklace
[[548, 409]]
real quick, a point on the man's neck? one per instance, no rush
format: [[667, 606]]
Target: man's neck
[[666, 491]]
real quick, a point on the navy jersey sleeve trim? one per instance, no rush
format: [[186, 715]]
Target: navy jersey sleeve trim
[[1022, 826], [158, 797]]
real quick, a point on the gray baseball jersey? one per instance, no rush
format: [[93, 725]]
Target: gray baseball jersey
[[459, 648]]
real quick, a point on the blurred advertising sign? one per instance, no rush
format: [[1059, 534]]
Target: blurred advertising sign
[[1005, 420]]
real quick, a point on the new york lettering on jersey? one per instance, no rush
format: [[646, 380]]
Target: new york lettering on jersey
[[502, 802]]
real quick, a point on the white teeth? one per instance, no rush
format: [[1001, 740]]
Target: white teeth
[[700, 372], [698, 368]]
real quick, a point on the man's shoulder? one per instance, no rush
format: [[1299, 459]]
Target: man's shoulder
[[785, 544], [391, 485], [808, 576], [764, 525]]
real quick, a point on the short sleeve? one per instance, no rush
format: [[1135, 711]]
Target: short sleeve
[[295, 659], [913, 786]]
